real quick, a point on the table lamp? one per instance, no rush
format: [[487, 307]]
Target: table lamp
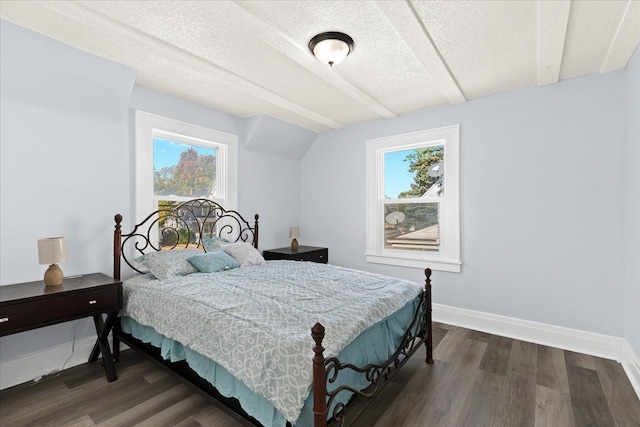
[[294, 233], [52, 250]]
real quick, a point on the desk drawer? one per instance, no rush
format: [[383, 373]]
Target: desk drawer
[[30, 314]]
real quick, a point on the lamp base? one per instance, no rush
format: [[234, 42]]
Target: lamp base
[[294, 245], [53, 276]]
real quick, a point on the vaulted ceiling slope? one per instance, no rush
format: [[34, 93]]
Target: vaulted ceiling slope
[[251, 57]]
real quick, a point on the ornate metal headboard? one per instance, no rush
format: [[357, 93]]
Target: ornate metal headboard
[[179, 226]]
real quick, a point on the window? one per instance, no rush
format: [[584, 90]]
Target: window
[[413, 202], [177, 161]]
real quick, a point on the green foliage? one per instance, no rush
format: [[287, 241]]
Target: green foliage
[[169, 236], [193, 175], [161, 178], [420, 161]]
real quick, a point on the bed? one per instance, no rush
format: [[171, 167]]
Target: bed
[[280, 342]]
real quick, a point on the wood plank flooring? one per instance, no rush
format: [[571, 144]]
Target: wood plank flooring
[[478, 379]]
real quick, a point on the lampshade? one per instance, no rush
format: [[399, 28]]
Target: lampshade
[[331, 48], [52, 250], [294, 232]]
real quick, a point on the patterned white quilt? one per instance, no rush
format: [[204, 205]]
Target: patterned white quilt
[[256, 321]]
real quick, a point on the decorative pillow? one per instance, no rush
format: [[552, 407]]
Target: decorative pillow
[[213, 243], [165, 264], [212, 262], [244, 253]]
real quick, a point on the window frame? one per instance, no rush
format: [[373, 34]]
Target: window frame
[[448, 257], [148, 126]]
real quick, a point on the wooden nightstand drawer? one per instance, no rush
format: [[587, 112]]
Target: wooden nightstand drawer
[[42, 312], [319, 255], [304, 253]]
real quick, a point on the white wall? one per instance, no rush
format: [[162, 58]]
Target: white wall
[[541, 202], [64, 129], [67, 168], [632, 204]]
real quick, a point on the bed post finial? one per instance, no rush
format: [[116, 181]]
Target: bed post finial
[[117, 247], [319, 378], [255, 231], [429, 341]]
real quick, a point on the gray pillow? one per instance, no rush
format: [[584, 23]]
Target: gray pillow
[[213, 243], [244, 253], [165, 264]]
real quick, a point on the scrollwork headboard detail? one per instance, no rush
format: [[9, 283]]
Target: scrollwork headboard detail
[[179, 226]]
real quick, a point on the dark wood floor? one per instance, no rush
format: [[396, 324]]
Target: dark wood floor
[[478, 380]]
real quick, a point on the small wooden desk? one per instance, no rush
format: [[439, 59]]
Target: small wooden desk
[[32, 305]]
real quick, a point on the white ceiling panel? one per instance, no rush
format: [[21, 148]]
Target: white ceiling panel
[[499, 55], [591, 30], [251, 57], [553, 17]]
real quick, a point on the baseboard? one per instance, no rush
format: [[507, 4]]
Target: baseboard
[[39, 364], [631, 365], [591, 343]]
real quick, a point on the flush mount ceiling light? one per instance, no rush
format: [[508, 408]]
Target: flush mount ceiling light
[[331, 48]]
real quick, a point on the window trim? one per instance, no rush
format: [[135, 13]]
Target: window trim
[[448, 258], [148, 125]]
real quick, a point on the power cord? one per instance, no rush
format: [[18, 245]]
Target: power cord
[[57, 372]]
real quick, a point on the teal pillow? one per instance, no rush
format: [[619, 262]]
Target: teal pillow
[[212, 262]]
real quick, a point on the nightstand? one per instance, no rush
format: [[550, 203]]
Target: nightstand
[[304, 253], [32, 305]]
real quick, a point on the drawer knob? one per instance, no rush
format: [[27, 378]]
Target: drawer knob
[[92, 301], [4, 319]]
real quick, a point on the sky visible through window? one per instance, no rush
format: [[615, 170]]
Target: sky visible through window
[[167, 153], [396, 176]]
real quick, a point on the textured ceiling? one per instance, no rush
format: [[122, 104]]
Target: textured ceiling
[[251, 57]]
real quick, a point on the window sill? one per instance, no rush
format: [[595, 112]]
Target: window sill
[[417, 262]]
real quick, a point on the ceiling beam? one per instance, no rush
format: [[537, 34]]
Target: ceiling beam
[[88, 16], [625, 40], [300, 54], [415, 35], [553, 18]]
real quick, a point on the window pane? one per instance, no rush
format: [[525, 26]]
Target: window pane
[[170, 231], [183, 170], [414, 173], [182, 227], [412, 226]]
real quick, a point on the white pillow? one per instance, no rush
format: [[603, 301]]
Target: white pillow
[[244, 253]]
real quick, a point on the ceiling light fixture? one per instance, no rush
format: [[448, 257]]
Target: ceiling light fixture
[[331, 48]]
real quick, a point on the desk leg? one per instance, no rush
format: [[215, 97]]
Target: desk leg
[[102, 344], [116, 339], [97, 319]]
